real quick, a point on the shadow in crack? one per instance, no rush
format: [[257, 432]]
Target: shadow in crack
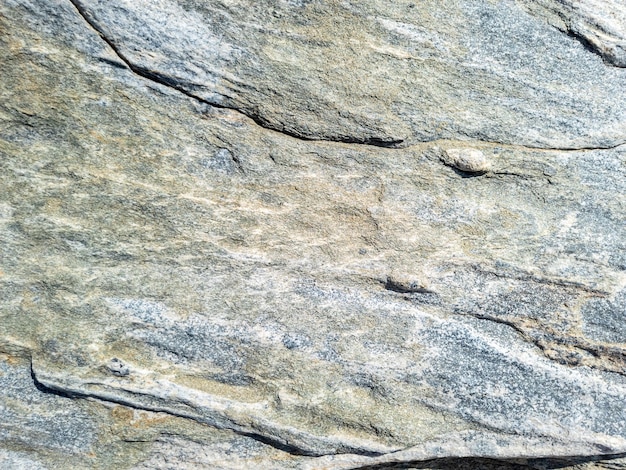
[[608, 462]]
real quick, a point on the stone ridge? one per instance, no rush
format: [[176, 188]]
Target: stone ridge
[[217, 54], [185, 88]]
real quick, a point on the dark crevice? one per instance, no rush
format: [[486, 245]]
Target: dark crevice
[[513, 174], [377, 142], [262, 438], [182, 87], [590, 47], [582, 149], [278, 445], [257, 437], [587, 45], [466, 174], [47, 390], [113, 63], [495, 319], [528, 277], [477, 463], [400, 287], [555, 149], [590, 148]]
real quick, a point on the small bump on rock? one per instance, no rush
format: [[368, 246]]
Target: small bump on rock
[[466, 159], [117, 367]]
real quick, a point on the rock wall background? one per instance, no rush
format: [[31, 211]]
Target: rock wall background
[[305, 234]]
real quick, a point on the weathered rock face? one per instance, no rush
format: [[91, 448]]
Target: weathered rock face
[[304, 234], [599, 25]]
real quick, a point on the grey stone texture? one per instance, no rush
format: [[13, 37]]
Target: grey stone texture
[[309, 234]]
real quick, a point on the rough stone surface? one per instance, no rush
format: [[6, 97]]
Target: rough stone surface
[[600, 25], [312, 235]]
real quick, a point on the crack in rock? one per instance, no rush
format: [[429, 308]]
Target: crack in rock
[[160, 395], [178, 85], [469, 463], [182, 87]]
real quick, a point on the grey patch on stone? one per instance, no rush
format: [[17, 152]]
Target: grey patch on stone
[[195, 341], [605, 319], [520, 391], [225, 161], [146, 310], [6, 212], [10, 460], [52, 421], [296, 341], [602, 171], [549, 170], [186, 342]]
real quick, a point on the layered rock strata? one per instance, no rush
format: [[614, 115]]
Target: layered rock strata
[[302, 234]]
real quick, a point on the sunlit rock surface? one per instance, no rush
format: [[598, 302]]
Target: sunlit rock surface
[[312, 235]]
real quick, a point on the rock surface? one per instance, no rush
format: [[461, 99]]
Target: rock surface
[[304, 234], [600, 25]]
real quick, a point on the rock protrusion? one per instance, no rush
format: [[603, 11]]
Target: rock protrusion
[[117, 367], [467, 160]]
